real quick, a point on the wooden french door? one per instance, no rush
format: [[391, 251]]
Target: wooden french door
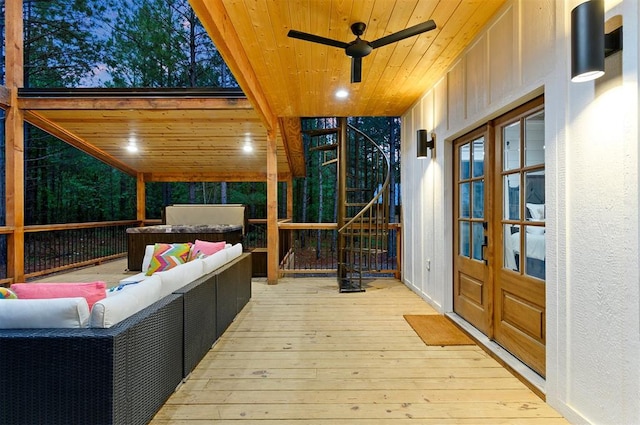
[[499, 287], [473, 286]]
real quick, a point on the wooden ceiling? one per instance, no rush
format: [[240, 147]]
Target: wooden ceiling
[[181, 135], [199, 137], [298, 78]]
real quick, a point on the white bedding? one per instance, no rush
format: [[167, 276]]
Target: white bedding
[[535, 246]]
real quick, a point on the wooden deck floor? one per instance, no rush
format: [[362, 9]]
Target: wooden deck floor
[[301, 353]]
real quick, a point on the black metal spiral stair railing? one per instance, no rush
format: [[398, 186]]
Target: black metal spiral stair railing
[[363, 172], [362, 237]]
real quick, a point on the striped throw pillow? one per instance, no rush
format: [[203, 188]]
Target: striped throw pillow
[[167, 256]]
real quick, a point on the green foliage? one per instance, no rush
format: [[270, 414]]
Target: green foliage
[[161, 43], [61, 42], [159, 195], [62, 185]]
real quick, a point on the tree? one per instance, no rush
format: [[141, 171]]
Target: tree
[[63, 45], [161, 43], [62, 41]]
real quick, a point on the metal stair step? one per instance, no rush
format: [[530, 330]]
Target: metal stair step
[[327, 147], [321, 131]]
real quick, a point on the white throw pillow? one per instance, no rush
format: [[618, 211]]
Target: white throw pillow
[[44, 313], [536, 211], [234, 252], [148, 255], [215, 261]]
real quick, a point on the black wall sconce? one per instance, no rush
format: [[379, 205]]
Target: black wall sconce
[[424, 144], [589, 44]]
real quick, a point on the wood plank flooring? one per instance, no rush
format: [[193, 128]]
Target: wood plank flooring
[[301, 353]]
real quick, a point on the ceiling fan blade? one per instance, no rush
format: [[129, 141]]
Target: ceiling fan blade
[[317, 39], [356, 70], [405, 33]]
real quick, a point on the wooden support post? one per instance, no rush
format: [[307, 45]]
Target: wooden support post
[[272, 209], [141, 206], [14, 141], [342, 194]]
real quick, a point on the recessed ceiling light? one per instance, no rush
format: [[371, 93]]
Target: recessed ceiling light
[[248, 147], [342, 93], [131, 147]]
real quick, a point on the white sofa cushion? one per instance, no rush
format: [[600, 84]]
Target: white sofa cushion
[[215, 261], [44, 313], [177, 277], [234, 252], [125, 302], [135, 278]]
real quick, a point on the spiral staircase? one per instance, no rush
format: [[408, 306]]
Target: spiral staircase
[[363, 172]]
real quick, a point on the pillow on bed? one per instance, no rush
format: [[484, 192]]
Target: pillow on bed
[[535, 230], [536, 211], [204, 248], [91, 291], [168, 255]]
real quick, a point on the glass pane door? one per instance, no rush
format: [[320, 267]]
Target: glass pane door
[[471, 194], [523, 191]]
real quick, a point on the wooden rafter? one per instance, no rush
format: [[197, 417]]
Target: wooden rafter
[[214, 17], [291, 130], [68, 137]]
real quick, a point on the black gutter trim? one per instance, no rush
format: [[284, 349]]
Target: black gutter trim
[[132, 92]]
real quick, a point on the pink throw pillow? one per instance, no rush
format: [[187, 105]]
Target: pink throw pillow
[[91, 291], [205, 249]]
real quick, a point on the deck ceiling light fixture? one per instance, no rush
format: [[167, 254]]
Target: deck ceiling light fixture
[[342, 94], [589, 43], [424, 144], [132, 147]]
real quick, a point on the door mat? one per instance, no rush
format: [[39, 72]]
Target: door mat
[[435, 329]]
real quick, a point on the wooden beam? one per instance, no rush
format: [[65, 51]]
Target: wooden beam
[[291, 131], [215, 19], [14, 140], [272, 209], [212, 177], [141, 208], [5, 97], [124, 103], [77, 142]]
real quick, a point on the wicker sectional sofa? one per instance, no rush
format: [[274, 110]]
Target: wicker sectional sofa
[[122, 374]]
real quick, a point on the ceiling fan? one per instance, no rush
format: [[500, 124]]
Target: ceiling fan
[[359, 48]]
